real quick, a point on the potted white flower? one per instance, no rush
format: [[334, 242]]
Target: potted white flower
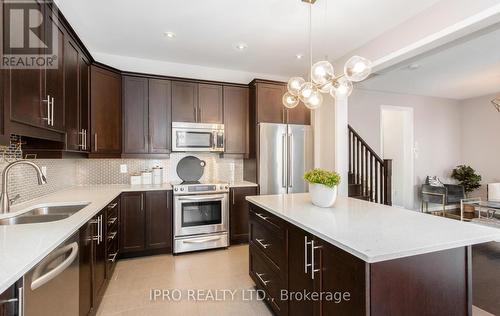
[[322, 186]]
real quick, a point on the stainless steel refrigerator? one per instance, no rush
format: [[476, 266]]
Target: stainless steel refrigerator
[[285, 152]]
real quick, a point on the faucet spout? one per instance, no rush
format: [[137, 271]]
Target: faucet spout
[[4, 198]]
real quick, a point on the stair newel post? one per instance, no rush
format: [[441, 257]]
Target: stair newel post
[[388, 181]]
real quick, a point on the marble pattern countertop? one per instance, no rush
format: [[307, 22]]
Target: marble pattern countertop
[[23, 246], [375, 232]]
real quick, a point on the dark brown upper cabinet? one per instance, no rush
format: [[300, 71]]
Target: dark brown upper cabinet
[[210, 104], [268, 106], [298, 115], [71, 96], [34, 98], [270, 109], [160, 117], [196, 103], [236, 120], [135, 115], [184, 101], [146, 116], [84, 85], [106, 112]]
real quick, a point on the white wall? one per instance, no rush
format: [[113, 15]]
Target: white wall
[[437, 130], [397, 144], [480, 136]]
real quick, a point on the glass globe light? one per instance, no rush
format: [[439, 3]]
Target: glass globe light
[[315, 100], [294, 85], [322, 72], [342, 87], [289, 100], [326, 87], [357, 68], [306, 91]]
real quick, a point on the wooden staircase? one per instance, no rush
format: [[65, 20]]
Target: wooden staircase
[[370, 177]]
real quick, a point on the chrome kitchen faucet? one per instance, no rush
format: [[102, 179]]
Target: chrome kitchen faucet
[[4, 199]]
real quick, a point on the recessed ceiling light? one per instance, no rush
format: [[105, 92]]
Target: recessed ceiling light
[[169, 34], [413, 66], [241, 46], [299, 56]]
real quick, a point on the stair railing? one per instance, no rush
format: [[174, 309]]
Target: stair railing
[[367, 169]]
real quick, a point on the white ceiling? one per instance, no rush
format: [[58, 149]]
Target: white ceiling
[[207, 30], [469, 68]]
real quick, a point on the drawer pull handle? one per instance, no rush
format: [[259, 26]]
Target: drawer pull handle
[[112, 257], [112, 235], [262, 216], [111, 206], [112, 220], [259, 275], [261, 242]]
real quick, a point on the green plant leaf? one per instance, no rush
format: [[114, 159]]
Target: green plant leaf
[[321, 176]]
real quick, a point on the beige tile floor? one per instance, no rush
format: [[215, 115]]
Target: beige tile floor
[[129, 290]]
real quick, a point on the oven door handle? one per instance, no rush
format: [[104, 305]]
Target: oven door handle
[[201, 240], [201, 198]]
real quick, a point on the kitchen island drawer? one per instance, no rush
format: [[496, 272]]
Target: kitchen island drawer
[[270, 221], [267, 239], [267, 278]]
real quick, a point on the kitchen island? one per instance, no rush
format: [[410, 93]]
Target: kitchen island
[[360, 258]]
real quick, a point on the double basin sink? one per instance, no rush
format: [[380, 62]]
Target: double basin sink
[[44, 214]]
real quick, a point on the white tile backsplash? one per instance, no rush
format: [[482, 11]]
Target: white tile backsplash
[[63, 173]]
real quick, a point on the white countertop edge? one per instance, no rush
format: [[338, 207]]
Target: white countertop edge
[[243, 184], [120, 188], [379, 258]]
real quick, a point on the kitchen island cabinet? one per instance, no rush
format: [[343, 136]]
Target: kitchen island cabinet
[[360, 258]]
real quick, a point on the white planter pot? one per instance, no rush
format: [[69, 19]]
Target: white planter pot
[[322, 195]]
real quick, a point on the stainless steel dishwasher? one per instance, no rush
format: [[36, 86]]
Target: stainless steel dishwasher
[[51, 288]]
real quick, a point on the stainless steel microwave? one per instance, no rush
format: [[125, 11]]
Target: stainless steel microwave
[[197, 137]]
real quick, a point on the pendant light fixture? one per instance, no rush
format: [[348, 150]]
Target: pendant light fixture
[[322, 78], [496, 103]]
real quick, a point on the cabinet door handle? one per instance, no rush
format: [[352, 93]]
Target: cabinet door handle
[[112, 206], [259, 275], [261, 242], [112, 235], [95, 141], [82, 139], [306, 264], [195, 111], [52, 112], [282, 115], [233, 198], [112, 220], [262, 216], [142, 202], [112, 256], [199, 116], [85, 138], [313, 271], [48, 110]]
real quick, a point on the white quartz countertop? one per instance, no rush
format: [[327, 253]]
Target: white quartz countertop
[[242, 184], [23, 246], [375, 232]]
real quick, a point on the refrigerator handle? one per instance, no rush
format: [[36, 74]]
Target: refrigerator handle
[[290, 160], [284, 157]]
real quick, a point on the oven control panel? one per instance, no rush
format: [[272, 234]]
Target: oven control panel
[[200, 188]]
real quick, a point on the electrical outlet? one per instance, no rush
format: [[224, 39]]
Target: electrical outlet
[[44, 171], [123, 169]]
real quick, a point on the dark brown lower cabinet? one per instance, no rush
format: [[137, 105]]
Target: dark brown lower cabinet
[[238, 213], [97, 258], [146, 222], [314, 277]]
